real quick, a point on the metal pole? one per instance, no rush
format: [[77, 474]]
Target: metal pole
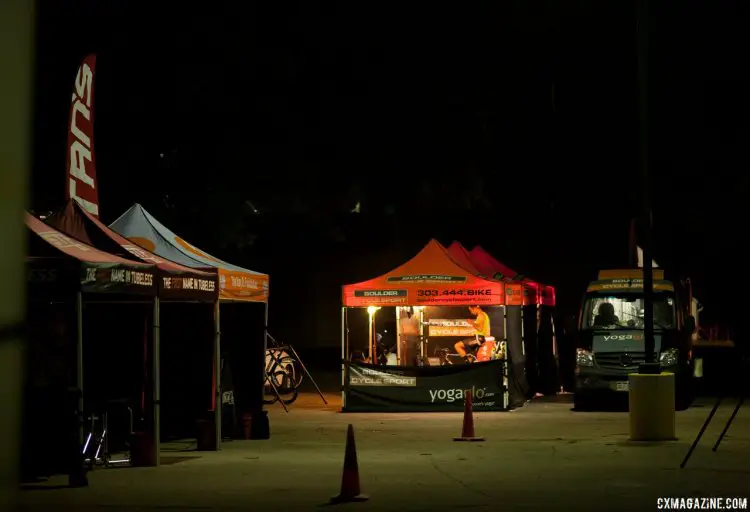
[[700, 433], [79, 362], [505, 328], [729, 423], [555, 355], [423, 344], [374, 337], [217, 373], [156, 373], [648, 274], [16, 39], [265, 351], [398, 336], [523, 344], [275, 391], [369, 336]]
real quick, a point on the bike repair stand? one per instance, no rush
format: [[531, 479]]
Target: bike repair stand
[[741, 399], [297, 358], [275, 391], [304, 368]]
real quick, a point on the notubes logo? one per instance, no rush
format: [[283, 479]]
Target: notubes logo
[[451, 395]]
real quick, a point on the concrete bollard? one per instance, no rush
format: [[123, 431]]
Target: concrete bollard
[[652, 407]]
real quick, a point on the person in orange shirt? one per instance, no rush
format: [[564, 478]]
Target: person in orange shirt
[[481, 329]]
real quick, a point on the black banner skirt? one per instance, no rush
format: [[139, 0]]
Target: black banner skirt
[[373, 388]]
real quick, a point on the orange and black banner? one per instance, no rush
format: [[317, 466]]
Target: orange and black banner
[[428, 294]]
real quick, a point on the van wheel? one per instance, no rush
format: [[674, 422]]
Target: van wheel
[[683, 398], [581, 402]]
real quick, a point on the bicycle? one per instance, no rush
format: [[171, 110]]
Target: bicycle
[[487, 350], [96, 448], [283, 374]]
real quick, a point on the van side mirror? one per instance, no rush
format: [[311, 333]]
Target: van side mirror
[[690, 324]]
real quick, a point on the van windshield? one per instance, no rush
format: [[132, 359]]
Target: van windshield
[[626, 312]]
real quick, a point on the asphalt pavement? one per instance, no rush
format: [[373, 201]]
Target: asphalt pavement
[[543, 455]]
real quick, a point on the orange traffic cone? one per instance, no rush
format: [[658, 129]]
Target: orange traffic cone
[[467, 432], [350, 479]]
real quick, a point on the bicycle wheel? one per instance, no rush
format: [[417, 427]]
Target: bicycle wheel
[[289, 392], [270, 397], [291, 398], [272, 358], [293, 369], [282, 387], [286, 389], [284, 373]]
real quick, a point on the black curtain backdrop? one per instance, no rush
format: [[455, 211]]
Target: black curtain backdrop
[[242, 326], [549, 380], [518, 386], [531, 346], [566, 350], [497, 322], [186, 338]]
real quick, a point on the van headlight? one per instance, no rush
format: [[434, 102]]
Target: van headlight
[[584, 358], [669, 357]]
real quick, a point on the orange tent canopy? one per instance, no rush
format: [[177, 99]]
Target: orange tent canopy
[[431, 278]]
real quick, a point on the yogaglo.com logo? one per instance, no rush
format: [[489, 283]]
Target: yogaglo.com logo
[[451, 395]]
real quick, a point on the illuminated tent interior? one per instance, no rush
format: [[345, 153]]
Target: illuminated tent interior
[[434, 284]]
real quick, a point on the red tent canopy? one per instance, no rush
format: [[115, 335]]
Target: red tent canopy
[[431, 278], [57, 261], [516, 293], [459, 253], [490, 266]]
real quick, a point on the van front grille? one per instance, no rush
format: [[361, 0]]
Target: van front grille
[[620, 360]]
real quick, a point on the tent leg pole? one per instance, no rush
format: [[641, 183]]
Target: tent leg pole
[[217, 374], [399, 352], [505, 324], [423, 344], [156, 375], [369, 338], [265, 352], [555, 354], [79, 363], [343, 356], [523, 337]]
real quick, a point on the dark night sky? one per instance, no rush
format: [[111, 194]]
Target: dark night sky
[[511, 125]]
